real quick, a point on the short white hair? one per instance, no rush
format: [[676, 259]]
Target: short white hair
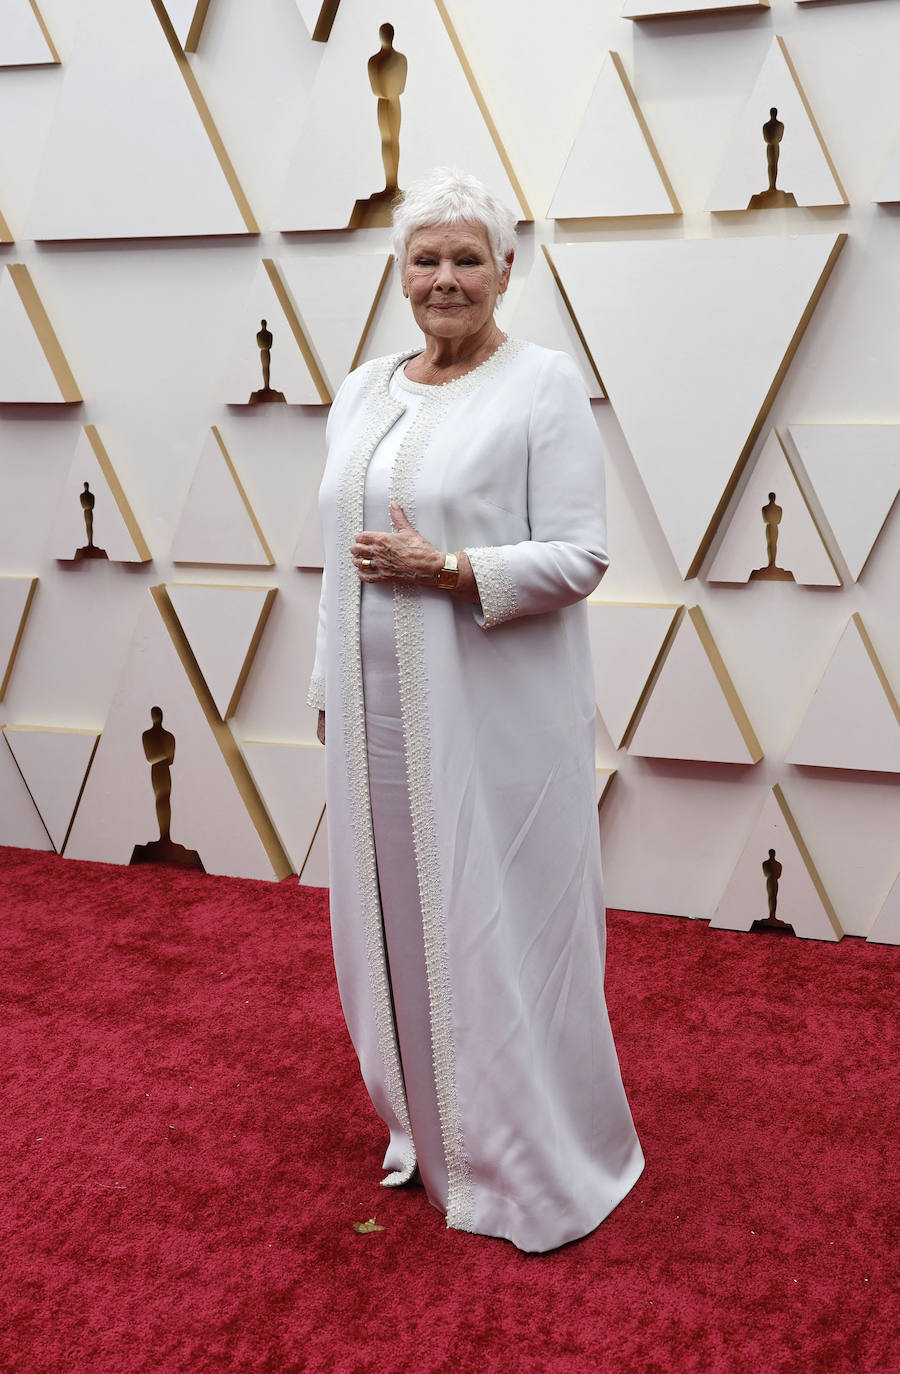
[[446, 195]]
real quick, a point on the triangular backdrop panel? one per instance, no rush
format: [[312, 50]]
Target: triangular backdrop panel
[[393, 329], [33, 368], [613, 168], [20, 822], [603, 778], [5, 231], [693, 710], [294, 369], [886, 929], [24, 38], [853, 721], [115, 528], [315, 870], [331, 170], [336, 298], [855, 473], [626, 642], [187, 18], [538, 311], [798, 544], [215, 809], [291, 781], [223, 626], [318, 16], [800, 897], [804, 167], [217, 525], [16, 596], [133, 151], [665, 9], [54, 764], [710, 326]]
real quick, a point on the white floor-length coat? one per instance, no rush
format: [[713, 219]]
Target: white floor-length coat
[[498, 714]]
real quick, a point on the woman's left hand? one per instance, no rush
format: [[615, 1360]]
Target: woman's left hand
[[401, 556]]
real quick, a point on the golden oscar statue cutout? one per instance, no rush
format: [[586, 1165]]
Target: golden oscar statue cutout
[[387, 77], [159, 751], [772, 198]]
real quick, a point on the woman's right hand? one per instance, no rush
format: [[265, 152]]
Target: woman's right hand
[[320, 728]]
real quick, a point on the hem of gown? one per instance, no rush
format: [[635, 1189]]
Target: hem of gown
[[579, 1233]]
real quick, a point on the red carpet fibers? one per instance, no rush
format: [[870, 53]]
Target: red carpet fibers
[[185, 1146]]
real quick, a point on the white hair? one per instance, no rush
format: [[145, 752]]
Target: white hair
[[445, 195]]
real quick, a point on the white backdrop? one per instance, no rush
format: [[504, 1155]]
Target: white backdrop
[[133, 225]]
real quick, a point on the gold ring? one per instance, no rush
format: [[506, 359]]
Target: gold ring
[[365, 562]]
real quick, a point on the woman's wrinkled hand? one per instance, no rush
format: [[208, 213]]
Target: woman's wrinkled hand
[[402, 555]]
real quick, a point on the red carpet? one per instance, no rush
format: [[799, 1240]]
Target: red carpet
[[185, 1146]]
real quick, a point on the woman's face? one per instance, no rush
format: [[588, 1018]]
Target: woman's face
[[451, 279]]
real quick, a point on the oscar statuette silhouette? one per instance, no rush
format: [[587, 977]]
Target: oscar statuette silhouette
[[159, 751], [387, 76]]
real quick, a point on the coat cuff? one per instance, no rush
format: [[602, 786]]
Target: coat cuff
[[496, 588], [315, 697]]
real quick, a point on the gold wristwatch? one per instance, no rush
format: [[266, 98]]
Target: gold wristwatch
[[448, 576]]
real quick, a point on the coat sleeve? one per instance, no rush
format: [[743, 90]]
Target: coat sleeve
[[566, 556]]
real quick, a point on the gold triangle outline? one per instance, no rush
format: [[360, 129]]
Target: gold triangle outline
[[118, 494], [46, 334], [574, 318], [27, 789], [765, 407], [315, 835], [201, 10], [305, 336], [691, 12], [17, 640], [379, 290], [611, 775], [486, 115], [876, 664], [254, 641], [46, 32], [801, 488], [856, 620], [655, 670], [54, 730], [823, 522], [245, 500], [619, 68], [721, 673], [54, 59], [327, 14], [645, 130], [302, 338], [807, 858], [212, 133], [228, 747], [6, 235], [723, 677], [817, 525], [789, 61]]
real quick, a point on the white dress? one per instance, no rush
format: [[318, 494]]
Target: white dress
[[466, 893]]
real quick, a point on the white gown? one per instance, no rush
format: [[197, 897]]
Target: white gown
[[393, 836], [466, 892]]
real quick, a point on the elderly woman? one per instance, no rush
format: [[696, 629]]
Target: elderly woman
[[463, 517]]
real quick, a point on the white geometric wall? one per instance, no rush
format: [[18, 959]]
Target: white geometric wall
[[173, 172]]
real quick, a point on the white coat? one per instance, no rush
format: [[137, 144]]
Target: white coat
[[498, 713]]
